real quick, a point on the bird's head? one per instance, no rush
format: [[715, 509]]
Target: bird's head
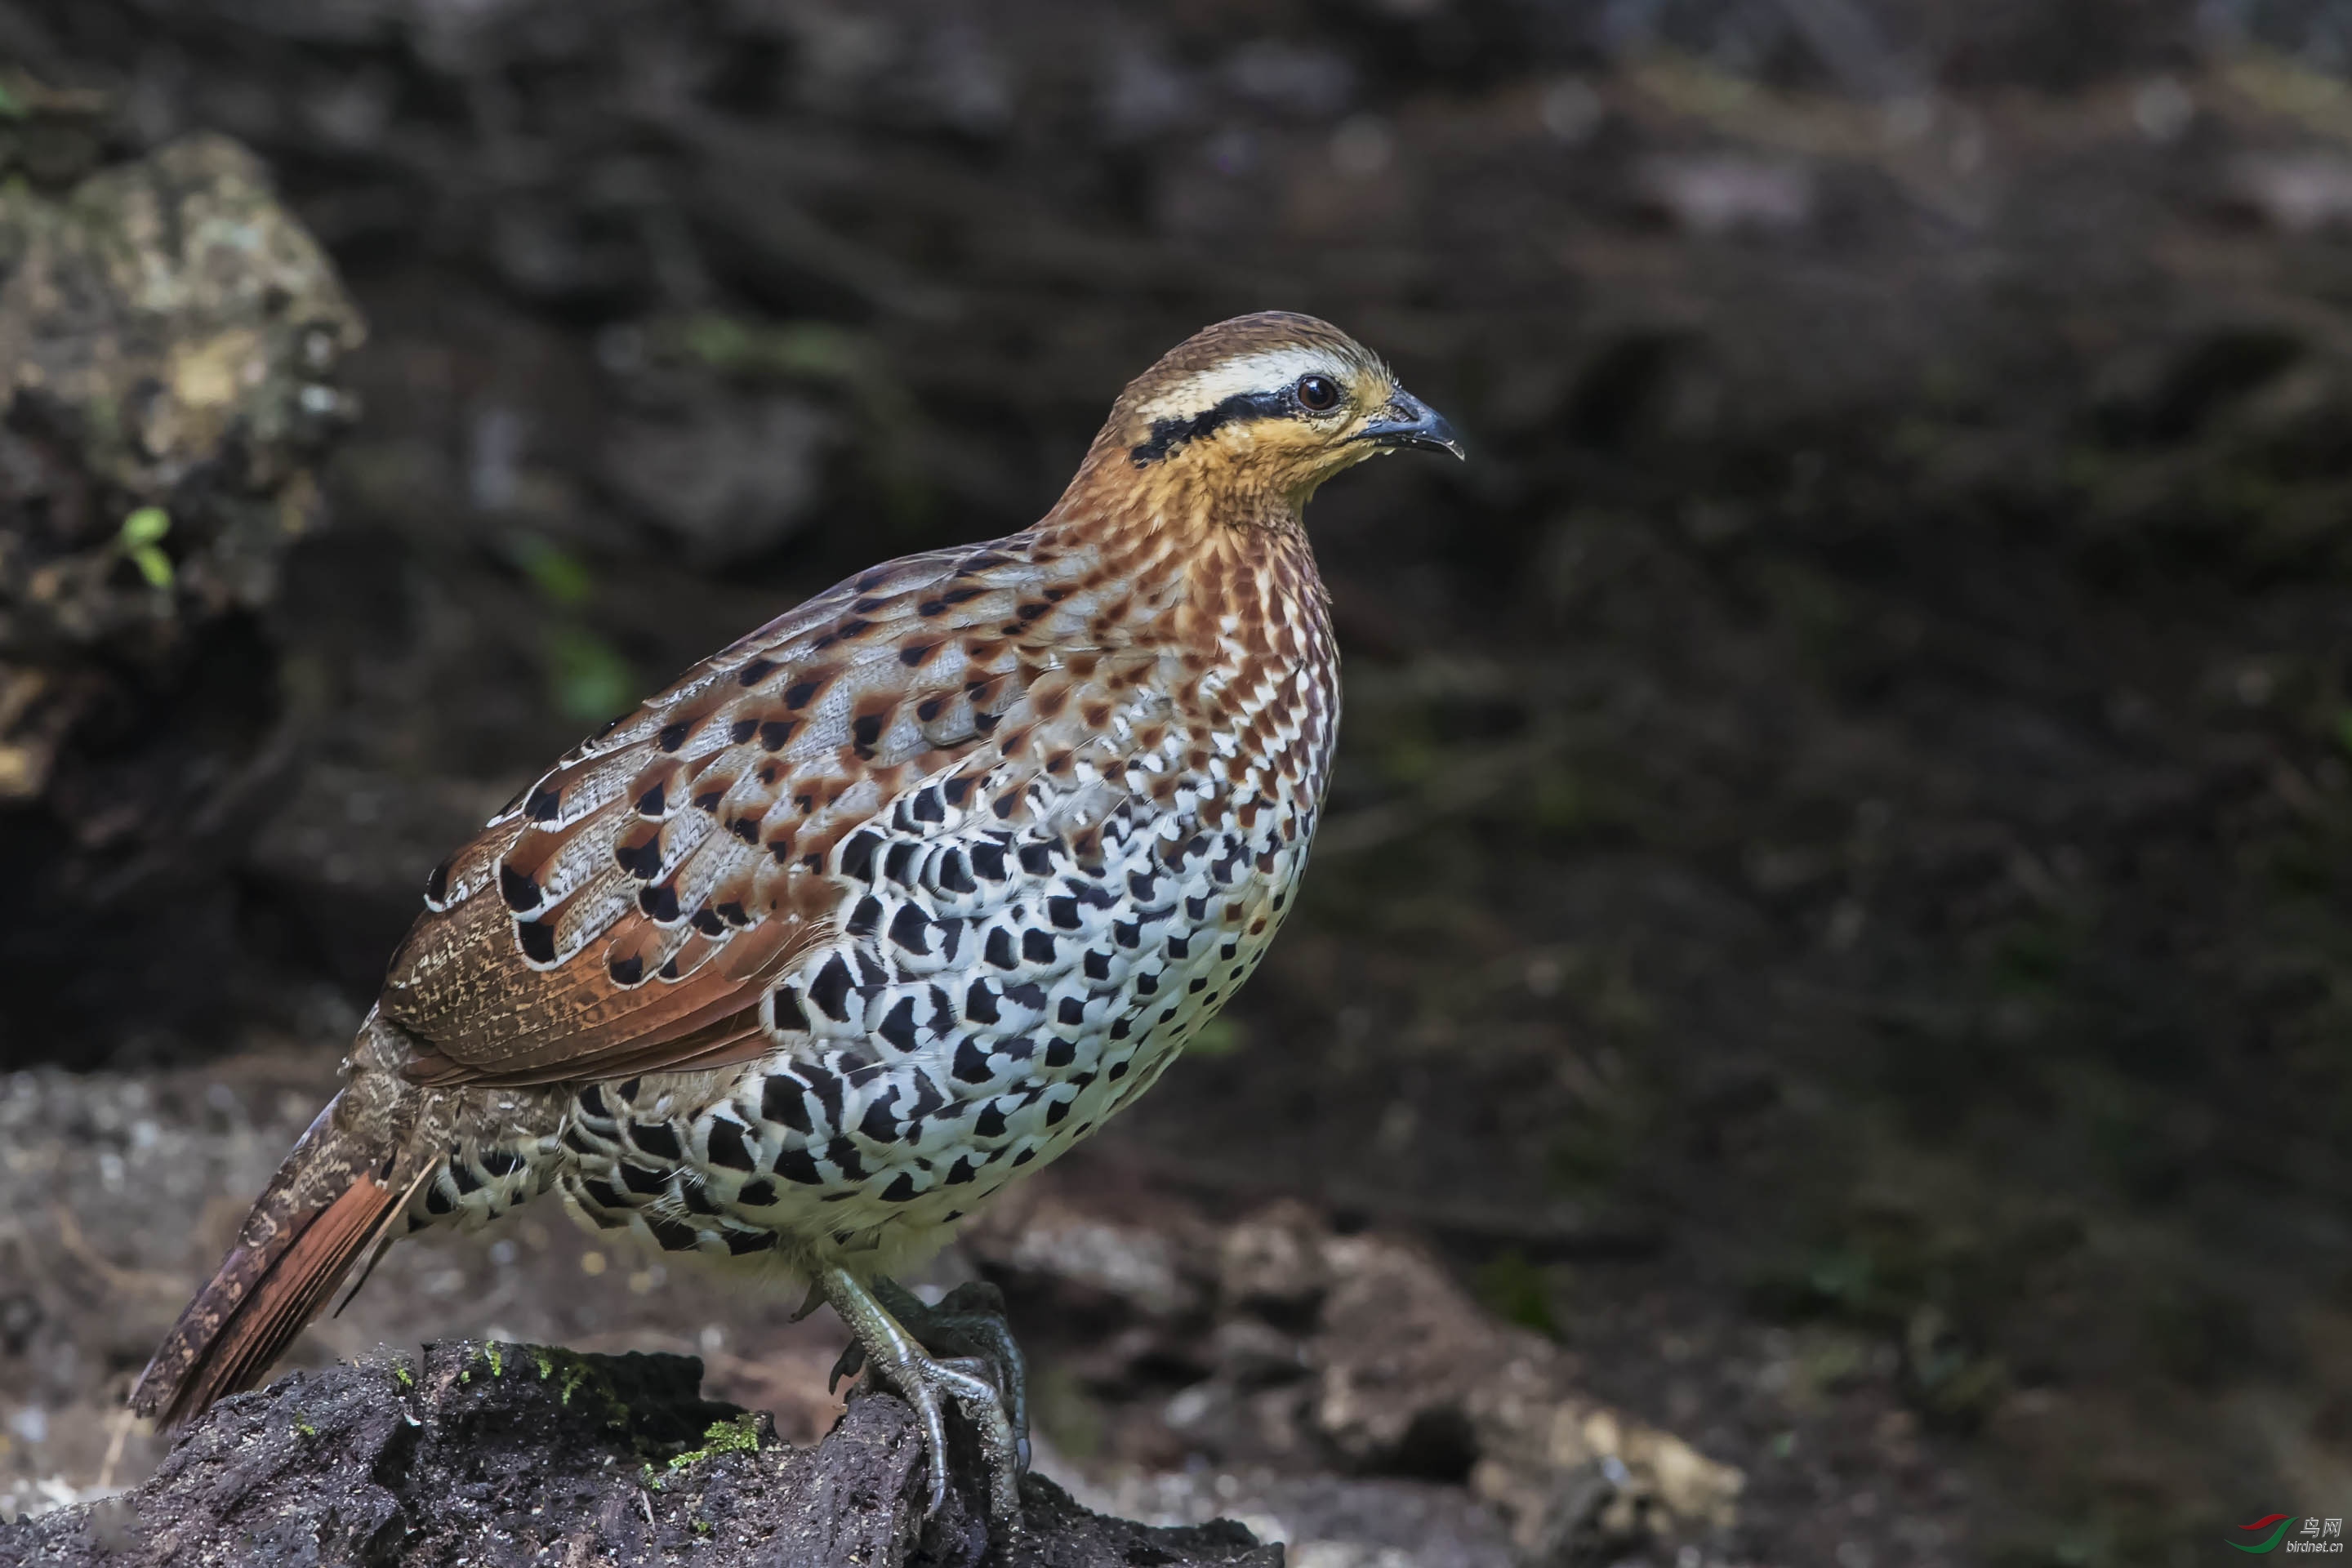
[[1268, 406]]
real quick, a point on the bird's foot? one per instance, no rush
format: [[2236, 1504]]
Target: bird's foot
[[969, 1324], [984, 1373]]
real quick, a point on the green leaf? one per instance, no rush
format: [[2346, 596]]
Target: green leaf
[[141, 538], [148, 525], [554, 571], [154, 565], [590, 678]]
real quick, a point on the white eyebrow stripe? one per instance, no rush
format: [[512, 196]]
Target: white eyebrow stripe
[[1267, 371]]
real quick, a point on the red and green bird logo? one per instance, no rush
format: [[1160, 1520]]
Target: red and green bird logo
[[2275, 1524]]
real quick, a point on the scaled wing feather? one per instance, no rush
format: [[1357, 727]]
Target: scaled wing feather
[[623, 914]]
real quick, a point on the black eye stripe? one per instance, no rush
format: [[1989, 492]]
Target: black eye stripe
[[1168, 434]]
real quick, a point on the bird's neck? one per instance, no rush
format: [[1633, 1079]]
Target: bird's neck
[[1216, 568], [1198, 493]]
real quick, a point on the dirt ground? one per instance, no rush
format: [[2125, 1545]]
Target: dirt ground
[[1833, 909]]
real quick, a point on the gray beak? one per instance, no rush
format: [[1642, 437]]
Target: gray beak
[[1407, 421]]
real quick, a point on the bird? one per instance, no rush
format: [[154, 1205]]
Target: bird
[[801, 963]]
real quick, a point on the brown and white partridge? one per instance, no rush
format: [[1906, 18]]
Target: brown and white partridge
[[902, 895]]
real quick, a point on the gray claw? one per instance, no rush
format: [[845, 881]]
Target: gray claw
[[852, 1361], [969, 1322], [893, 1350]]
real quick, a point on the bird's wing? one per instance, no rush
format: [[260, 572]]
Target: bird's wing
[[622, 914]]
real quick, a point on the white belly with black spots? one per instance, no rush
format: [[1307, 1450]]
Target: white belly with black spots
[[993, 995]]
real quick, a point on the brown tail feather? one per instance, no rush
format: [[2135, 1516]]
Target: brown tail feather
[[327, 1202]]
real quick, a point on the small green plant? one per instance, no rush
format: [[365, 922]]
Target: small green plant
[[140, 539], [562, 578], [588, 678], [574, 1376], [740, 1435], [591, 679], [573, 1372]]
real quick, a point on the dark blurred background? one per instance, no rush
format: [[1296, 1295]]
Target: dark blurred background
[[1834, 900]]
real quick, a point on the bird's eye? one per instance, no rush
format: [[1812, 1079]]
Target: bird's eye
[[1318, 394]]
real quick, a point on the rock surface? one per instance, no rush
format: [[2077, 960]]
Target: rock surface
[[1358, 1352], [495, 1454]]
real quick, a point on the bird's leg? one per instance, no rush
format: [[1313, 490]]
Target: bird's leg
[[884, 1344], [967, 1324]]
